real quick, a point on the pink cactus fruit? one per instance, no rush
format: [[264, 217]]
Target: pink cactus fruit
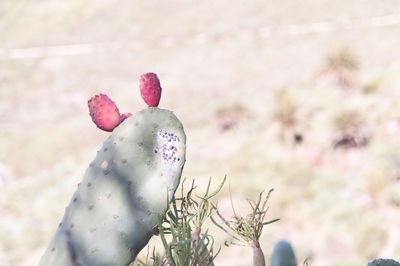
[[150, 89], [124, 116], [104, 112]]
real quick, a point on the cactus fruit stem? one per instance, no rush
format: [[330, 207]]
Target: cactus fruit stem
[[124, 116]]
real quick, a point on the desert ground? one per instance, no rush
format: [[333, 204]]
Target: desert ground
[[299, 96]]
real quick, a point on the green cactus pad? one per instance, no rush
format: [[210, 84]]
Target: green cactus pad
[[383, 262], [113, 212], [283, 254]]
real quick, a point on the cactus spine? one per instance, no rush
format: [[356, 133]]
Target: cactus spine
[[113, 212]]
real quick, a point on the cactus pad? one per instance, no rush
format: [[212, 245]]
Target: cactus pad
[[113, 212], [283, 254], [383, 262]]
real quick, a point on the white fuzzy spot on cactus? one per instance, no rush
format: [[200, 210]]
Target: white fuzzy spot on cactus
[[141, 145], [167, 146], [104, 165]]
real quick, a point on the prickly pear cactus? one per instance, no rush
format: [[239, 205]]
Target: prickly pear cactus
[[283, 254], [113, 212], [383, 262]]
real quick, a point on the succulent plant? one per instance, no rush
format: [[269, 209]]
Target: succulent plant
[[283, 254], [383, 262], [125, 190]]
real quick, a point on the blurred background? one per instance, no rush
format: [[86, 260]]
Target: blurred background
[[299, 96]]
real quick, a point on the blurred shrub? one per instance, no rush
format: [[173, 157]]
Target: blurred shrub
[[348, 125], [372, 86], [342, 65], [285, 108], [370, 238], [229, 116], [348, 121]]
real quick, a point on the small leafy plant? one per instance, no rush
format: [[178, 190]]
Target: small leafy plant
[[181, 231], [190, 244], [249, 229], [342, 65]]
